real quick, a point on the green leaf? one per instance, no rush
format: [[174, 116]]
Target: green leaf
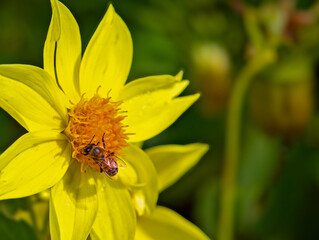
[[257, 166]]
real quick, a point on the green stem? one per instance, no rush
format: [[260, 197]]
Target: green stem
[[33, 218], [228, 192], [253, 30]]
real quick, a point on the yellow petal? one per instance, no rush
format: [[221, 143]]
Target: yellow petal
[[150, 113], [35, 162], [150, 97], [62, 50], [179, 75], [40, 82], [116, 217], [29, 95], [167, 224], [173, 161], [73, 205], [160, 85], [107, 58], [140, 177]]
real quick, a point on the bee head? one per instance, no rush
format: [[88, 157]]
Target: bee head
[[86, 150]]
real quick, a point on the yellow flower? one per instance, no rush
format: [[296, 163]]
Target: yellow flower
[[76, 101]]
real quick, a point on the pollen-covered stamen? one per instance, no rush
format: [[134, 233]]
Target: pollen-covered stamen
[[92, 119]]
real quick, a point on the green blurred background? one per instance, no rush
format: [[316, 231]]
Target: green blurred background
[[212, 41]]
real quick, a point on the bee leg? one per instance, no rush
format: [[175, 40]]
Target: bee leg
[[101, 169], [110, 154]]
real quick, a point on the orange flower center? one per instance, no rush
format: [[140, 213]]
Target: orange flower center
[[93, 121]]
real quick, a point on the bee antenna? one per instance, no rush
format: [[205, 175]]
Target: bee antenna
[[92, 139], [103, 140], [88, 144]]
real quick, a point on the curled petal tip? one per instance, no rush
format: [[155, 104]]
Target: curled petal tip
[[179, 75]]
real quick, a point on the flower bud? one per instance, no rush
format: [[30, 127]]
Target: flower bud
[[212, 76], [284, 105]]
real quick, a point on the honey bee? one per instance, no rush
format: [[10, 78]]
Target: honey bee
[[107, 161]]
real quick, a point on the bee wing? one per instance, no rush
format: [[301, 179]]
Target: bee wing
[[120, 163]]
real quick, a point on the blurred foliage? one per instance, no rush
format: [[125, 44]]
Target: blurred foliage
[[211, 41], [25, 218], [11, 230]]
